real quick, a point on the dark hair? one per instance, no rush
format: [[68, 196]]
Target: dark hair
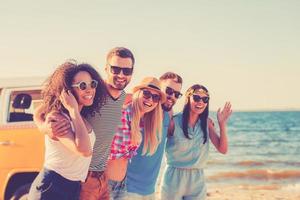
[[62, 79], [171, 75], [121, 52], [186, 113]]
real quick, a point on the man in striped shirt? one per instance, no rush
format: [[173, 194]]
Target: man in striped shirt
[[119, 68]]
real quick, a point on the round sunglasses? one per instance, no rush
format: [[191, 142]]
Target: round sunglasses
[[147, 95], [198, 98], [82, 85]]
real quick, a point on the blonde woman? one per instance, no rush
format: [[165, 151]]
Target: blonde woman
[[143, 114]]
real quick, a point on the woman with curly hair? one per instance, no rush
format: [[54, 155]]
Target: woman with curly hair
[[73, 91], [188, 144]]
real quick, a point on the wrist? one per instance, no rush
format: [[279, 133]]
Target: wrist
[[73, 113]]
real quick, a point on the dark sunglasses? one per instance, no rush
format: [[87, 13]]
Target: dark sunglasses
[[147, 95], [197, 98], [82, 85], [170, 91], [117, 70]]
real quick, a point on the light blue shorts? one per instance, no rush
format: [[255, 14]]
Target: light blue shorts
[[135, 196], [187, 184]]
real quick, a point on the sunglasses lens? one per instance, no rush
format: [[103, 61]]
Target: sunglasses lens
[[94, 84], [146, 94], [205, 99], [127, 71], [178, 95], [196, 98], [115, 70], [169, 91], [155, 98], [82, 85]]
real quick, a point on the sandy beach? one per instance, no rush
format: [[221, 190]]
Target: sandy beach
[[251, 192]]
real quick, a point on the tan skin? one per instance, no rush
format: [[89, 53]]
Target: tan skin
[[219, 141], [78, 141], [116, 169], [55, 125]]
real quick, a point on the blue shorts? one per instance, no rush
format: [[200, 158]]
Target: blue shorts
[[187, 184], [49, 185], [117, 189]]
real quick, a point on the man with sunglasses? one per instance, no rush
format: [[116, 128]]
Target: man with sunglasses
[[142, 172], [119, 68]]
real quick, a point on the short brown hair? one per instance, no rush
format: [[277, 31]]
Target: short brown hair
[[121, 52], [171, 75]]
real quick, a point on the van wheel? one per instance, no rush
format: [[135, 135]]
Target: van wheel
[[21, 193]]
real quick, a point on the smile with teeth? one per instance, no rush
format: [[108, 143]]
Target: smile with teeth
[[170, 101], [88, 97], [120, 81], [199, 107], [147, 104]]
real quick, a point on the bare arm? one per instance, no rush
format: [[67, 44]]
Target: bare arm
[[220, 142], [53, 125], [79, 141]]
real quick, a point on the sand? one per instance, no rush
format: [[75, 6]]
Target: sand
[[251, 192]]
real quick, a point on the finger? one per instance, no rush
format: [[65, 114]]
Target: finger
[[58, 124], [61, 130]]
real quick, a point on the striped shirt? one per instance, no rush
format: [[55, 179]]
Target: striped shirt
[[121, 146], [104, 126]]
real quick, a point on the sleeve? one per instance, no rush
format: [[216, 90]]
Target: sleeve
[[121, 138]]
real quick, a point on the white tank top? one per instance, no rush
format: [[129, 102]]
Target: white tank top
[[66, 162]]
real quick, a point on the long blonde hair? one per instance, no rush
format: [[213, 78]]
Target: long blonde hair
[[152, 126]]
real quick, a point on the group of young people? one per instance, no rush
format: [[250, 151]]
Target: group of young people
[[101, 143]]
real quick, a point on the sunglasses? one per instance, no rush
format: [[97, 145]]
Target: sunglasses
[[170, 91], [117, 70], [197, 98], [82, 85], [147, 95]]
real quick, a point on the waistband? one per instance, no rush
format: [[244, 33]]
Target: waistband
[[95, 174]]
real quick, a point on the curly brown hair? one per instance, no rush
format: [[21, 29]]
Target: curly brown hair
[[62, 79]]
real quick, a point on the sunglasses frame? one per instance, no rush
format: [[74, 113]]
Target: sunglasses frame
[[198, 98], [177, 94], [77, 85], [117, 70], [155, 97]]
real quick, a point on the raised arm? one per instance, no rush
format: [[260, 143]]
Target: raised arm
[[220, 141], [78, 141]]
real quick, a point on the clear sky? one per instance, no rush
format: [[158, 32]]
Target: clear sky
[[247, 52]]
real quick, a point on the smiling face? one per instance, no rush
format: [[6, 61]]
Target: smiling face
[[84, 97], [171, 89], [197, 104], [148, 99], [116, 78]]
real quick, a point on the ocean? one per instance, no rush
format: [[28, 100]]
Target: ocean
[[264, 149]]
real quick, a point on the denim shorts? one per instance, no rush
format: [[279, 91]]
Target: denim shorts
[[49, 185], [117, 189]]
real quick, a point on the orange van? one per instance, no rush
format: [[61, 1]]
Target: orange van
[[21, 144]]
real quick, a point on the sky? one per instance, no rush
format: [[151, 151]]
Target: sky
[[245, 52]]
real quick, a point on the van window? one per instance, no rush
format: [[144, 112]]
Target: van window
[[23, 104]]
